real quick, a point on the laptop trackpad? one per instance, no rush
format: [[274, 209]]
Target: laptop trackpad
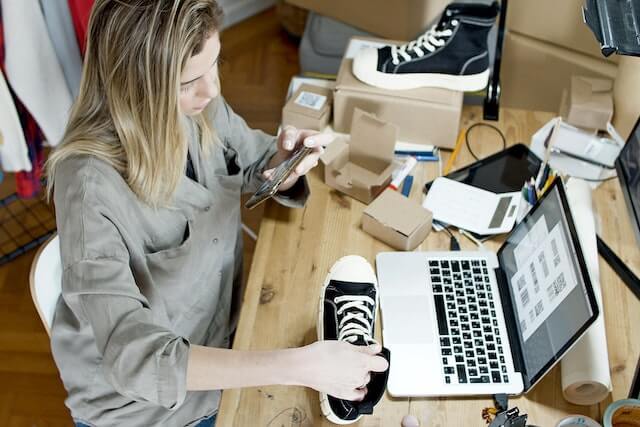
[[407, 320]]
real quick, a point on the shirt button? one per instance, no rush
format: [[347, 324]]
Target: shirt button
[[206, 209], [215, 240]]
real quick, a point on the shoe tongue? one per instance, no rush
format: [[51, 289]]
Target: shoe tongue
[[352, 288]]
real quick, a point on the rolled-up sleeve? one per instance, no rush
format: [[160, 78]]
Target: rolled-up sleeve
[[141, 360], [255, 149]]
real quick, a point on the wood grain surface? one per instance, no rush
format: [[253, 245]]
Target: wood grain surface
[[296, 248]]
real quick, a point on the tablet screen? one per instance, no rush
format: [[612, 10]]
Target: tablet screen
[[502, 172]]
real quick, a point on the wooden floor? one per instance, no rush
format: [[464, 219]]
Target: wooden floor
[[259, 60]]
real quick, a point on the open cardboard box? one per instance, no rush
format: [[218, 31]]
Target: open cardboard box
[[400, 222], [361, 168], [308, 108], [588, 103]]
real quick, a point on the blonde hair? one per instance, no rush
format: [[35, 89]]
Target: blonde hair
[[127, 112]]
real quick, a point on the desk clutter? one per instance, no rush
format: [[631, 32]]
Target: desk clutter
[[383, 118]]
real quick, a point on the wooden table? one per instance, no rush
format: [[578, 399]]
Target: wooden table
[[296, 248]]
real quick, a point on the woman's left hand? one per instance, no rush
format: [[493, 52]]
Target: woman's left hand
[[291, 138]]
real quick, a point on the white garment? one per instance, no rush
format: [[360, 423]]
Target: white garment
[[14, 153], [33, 69]]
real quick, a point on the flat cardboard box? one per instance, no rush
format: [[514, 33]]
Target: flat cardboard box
[[362, 167], [308, 108], [558, 22], [428, 116], [625, 99], [396, 220], [588, 103], [534, 74], [398, 19]]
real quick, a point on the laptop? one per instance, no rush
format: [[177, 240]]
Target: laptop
[[479, 323]]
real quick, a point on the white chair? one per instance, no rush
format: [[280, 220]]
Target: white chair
[[46, 280]]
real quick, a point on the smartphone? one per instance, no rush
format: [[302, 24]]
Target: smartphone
[[280, 174]]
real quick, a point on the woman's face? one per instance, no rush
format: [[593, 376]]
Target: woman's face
[[199, 78]]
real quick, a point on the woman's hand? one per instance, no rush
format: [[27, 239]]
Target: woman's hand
[[291, 138], [341, 369]]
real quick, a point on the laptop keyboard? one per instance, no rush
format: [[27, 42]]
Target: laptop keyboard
[[470, 340]]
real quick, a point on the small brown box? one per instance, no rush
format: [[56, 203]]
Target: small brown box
[[427, 115], [361, 168], [589, 102], [308, 108], [396, 220]]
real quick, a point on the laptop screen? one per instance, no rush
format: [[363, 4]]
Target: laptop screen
[[545, 272]]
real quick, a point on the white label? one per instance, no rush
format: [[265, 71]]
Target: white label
[[543, 280], [311, 100]]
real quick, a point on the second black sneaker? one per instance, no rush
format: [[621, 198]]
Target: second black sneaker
[[347, 312], [453, 54]]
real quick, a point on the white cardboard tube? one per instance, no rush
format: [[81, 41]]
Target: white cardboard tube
[[586, 379]]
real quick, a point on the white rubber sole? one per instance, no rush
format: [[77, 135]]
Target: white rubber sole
[[324, 400], [366, 71]]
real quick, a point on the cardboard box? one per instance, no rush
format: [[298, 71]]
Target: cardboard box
[[588, 103], [398, 19], [625, 99], [534, 74], [556, 22], [423, 116], [308, 108], [396, 220], [361, 168]]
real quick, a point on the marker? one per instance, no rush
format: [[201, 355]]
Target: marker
[[406, 187], [401, 173]]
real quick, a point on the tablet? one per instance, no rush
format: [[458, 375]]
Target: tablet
[[280, 174], [503, 172]]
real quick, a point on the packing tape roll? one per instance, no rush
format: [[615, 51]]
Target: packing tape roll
[[586, 379], [578, 421], [622, 413]]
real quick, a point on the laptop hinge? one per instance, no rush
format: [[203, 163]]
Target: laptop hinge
[[512, 326]]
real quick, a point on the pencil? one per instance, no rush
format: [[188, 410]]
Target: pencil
[[456, 150]]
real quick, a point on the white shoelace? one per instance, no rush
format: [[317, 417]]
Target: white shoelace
[[358, 320], [431, 40]]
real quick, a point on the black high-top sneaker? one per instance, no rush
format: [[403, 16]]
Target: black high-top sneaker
[[347, 313], [453, 54]]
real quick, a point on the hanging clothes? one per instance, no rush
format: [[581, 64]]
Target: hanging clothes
[[26, 139], [61, 30], [14, 154], [80, 12], [32, 68]]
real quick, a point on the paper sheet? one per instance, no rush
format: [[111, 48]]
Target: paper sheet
[[471, 208], [586, 379]]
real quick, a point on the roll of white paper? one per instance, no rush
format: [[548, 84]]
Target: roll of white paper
[[586, 379]]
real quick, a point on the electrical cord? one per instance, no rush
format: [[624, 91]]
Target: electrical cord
[[480, 124], [454, 244]]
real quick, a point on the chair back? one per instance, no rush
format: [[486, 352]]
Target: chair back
[[46, 280]]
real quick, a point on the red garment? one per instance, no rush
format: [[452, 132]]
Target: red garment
[[80, 12], [27, 183]]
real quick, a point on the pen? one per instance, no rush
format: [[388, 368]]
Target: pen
[[456, 150], [556, 150], [400, 174]]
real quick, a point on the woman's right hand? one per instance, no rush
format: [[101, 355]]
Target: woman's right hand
[[340, 369]]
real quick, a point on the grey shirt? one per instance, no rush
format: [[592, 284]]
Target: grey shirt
[[140, 285]]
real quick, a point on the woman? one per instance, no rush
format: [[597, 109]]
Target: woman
[[147, 184]]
